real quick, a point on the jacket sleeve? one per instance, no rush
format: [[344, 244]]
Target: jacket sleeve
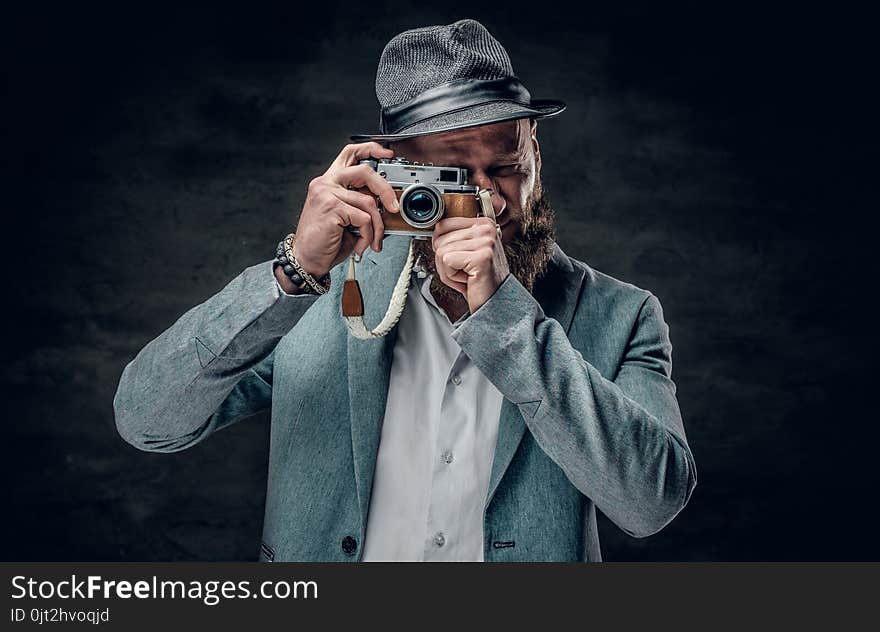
[[210, 368], [622, 442]]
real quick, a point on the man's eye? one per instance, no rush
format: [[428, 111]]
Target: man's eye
[[506, 170]]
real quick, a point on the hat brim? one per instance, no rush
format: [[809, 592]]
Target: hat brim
[[472, 116]]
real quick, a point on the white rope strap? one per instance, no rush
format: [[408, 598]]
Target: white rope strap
[[352, 301], [356, 325]]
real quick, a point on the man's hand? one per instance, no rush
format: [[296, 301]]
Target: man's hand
[[331, 205], [470, 258]]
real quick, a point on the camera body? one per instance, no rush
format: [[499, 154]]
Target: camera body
[[427, 193]]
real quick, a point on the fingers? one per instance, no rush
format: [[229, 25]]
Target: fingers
[[351, 216], [349, 241], [449, 224], [481, 230], [330, 207], [462, 246], [351, 154], [367, 204], [467, 245], [363, 176], [467, 261], [456, 279]]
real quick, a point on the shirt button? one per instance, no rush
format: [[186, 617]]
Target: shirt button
[[447, 457], [456, 379], [440, 539]]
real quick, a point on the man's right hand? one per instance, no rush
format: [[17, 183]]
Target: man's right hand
[[332, 204]]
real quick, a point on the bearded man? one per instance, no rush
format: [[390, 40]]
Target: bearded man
[[519, 391]]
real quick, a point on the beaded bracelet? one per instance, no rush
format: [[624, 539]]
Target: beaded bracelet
[[294, 271]]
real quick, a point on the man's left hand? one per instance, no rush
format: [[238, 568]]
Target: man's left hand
[[469, 257]]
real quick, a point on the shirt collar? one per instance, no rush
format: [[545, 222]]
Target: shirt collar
[[424, 286]]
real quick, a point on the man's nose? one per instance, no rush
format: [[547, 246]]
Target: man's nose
[[498, 202]]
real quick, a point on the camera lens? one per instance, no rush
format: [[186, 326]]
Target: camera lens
[[421, 206]]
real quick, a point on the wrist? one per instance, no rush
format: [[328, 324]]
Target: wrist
[[296, 275], [315, 271], [288, 286]]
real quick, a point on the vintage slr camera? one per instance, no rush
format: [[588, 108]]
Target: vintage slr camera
[[427, 193]]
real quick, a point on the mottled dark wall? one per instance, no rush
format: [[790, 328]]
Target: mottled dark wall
[[709, 155]]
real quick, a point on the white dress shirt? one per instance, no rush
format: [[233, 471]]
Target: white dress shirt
[[437, 444]]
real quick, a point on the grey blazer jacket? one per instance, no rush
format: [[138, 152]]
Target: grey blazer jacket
[[589, 418]]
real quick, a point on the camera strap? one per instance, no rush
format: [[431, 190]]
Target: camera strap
[[353, 300]]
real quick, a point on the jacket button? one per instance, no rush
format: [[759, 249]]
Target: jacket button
[[349, 545]]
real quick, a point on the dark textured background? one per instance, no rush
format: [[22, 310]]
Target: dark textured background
[[709, 155]]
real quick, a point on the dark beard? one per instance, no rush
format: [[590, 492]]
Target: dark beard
[[528, 253]]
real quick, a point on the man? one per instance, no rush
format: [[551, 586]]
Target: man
[[519, 391]]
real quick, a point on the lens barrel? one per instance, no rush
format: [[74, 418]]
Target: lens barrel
[[421, 205]]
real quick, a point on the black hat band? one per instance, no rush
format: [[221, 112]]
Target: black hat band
[[451, 97]]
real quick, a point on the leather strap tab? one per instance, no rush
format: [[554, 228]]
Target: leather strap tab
[[352, 300]]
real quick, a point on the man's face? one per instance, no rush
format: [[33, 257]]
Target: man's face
[[505, 158]]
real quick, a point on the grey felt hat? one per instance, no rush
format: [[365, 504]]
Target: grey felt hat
[[443, 78]]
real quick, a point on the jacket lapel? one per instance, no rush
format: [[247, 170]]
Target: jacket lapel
[[369, 363], [557, 291]]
